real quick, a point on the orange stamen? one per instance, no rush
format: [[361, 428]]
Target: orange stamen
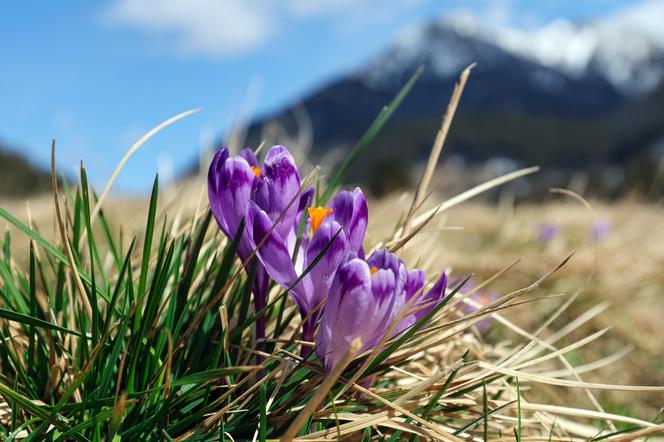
[[256, 170], [373, 270], [317, 215]]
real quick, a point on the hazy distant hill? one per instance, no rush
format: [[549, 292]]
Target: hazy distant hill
[[566, 96], [18, 178]]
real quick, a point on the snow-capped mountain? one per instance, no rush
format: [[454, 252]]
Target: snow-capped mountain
[[626, 48], [563, 96]]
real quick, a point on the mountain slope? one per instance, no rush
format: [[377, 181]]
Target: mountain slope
[[626, 48], [567, 112], [18, 178]]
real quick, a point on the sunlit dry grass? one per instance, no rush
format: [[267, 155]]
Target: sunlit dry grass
[[621, 273]]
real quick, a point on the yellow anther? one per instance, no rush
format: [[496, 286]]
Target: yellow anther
[[317, 215], [256, 170], [373, 270]]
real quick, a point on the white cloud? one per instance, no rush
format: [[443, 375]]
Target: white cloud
[[210, 27], [221, 28]]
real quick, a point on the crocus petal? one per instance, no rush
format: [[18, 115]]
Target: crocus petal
[[432, 298], [414, 283], [352, 212], [306, 197], [278, 189], [329, 235], [213, 192], [383, 259], [233, 183], [383, 283], [270, 247], [348, 313], [249, 156], [291, 240]]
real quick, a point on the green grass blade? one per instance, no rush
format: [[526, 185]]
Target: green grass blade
[[147, 244], [262, 432], [35, 322], [46, 245], [371, 133], [36, 410], [482, 419]]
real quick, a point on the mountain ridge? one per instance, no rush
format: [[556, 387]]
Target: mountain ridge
[[626, 48], [514, 106]]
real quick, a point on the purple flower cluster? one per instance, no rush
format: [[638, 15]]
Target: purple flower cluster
[[235, 183], [366, 297], [337, 291]]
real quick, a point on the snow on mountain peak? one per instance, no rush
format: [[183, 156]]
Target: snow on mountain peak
[[559, 44], [626, 48]]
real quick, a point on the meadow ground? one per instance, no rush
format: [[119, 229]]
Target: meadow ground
[[618, 277]]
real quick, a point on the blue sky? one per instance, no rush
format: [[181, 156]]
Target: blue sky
[[97, 75]]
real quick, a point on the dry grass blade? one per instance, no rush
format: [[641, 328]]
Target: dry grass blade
[[418, 223], [579, 412], [476, 316], [209, 422], [464, 196], [545, 345], [442, 435], [384, 418], [639, 434], [5, 412], [437, 148], [152, 132], [555, 354], [595, 365], [395, 423], [576, 323], [214, 418], [566, 383], [322, 391]]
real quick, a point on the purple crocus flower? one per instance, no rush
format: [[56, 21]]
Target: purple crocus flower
[[366, 297], [236, 182], [482, 297], [600, 229], [547, 232], [340, 227]]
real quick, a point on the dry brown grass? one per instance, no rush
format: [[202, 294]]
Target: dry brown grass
[[626, 270]]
